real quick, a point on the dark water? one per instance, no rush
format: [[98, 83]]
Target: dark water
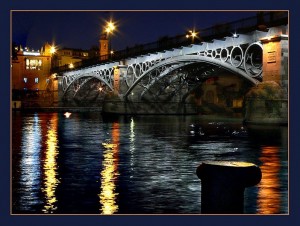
[[87, 164]]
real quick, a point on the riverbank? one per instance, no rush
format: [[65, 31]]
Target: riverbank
[[59, 109]]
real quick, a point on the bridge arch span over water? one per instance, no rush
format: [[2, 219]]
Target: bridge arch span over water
[[199, 68], [162, 75]]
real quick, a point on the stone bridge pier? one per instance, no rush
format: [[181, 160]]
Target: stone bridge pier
[[267, 103]]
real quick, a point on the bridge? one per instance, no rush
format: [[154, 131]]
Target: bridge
[[165, 80]]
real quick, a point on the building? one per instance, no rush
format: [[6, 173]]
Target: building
[[32, 77], [69, 57], [31, 69], [103, 47], [32, 83]]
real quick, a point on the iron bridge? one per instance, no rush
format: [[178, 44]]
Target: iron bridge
[[165, 74]]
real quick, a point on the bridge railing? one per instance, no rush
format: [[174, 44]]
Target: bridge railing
[[261, 21]]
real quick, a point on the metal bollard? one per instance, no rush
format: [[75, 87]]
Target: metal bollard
[[223, 185]]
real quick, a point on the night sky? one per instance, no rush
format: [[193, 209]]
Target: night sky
[[81, 29]]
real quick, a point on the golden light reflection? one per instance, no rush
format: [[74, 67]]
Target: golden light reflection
[[50, 166], [268, 194], [109, 173]]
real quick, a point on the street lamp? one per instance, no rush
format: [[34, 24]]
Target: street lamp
[[109, 29], [192, 34], [52, 50], [235, 35]]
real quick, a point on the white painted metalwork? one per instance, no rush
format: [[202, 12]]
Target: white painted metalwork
[[237, 54]]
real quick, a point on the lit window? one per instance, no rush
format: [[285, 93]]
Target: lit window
[[33, 64], [36, 80], [25, 80]]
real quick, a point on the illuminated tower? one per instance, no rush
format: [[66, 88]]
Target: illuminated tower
[[103, 47], [47, 49]]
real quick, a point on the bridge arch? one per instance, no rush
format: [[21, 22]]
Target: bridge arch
[[164, 67], [106, 80]]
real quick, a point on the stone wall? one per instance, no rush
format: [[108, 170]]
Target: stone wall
[[275, 62], [120, 107], [266, 103]]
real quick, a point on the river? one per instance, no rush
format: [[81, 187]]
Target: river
[[90, 164]]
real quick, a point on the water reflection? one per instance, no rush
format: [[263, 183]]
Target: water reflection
[[132, 144], [138, 165], [268, 195], [50, 166], [30, 177], [109, 174]]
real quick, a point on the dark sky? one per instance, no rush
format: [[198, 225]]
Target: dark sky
[[81, 29]]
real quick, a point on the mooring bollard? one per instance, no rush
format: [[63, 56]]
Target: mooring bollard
[[223, 185]]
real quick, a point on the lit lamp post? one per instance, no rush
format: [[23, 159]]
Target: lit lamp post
[[105, 41], [192, 34], [109, 29], [111, 54], [52, 52]]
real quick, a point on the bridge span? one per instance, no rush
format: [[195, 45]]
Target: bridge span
[[164, 81]]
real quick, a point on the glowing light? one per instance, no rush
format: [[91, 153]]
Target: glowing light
[[50, 167], [53, 76], [268, 194], [235, 35], [71, 65], [52, 49], [26, 53], [192, 34], [67, 114], [110, 27], [269, 38], [109, 173], [230, 163]]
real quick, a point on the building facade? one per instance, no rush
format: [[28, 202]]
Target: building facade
[[69, 58], [104, 47], [31, 69], [33, 81]]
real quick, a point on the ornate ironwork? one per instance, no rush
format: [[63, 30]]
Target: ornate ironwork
[[165, 74]]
